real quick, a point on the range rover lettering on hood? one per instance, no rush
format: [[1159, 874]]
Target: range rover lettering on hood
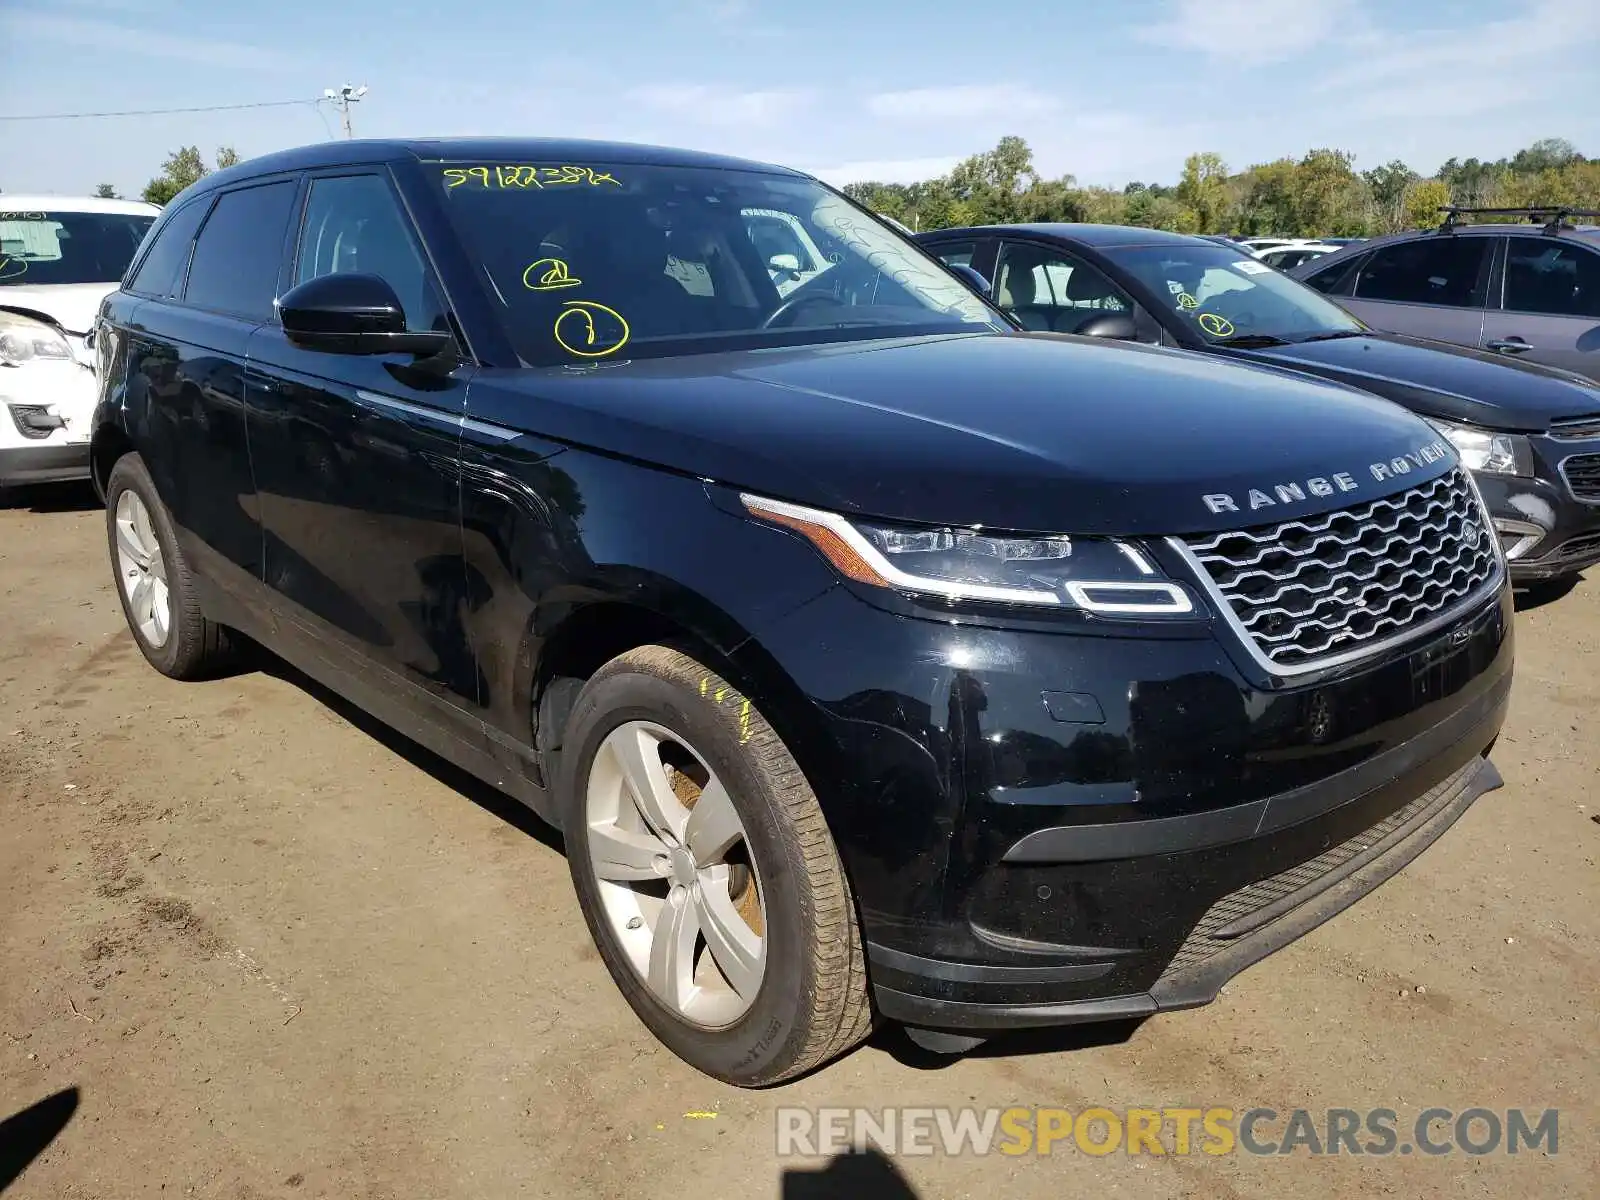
[[1271, 495]]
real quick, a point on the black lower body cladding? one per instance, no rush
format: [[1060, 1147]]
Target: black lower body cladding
[[1016, 869]]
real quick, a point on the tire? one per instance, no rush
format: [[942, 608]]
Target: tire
[[811, 1003], [190, 646]]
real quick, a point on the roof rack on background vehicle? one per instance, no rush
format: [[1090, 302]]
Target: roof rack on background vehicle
[[1554, 216]]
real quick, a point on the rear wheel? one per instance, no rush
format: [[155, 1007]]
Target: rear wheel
[[707, 874], [154, 581]]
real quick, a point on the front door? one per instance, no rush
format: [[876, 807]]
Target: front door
[[1551, 307], [357, 462]]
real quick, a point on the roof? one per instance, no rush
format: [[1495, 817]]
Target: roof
[[1089, 235], [17, 202], [483, 149]]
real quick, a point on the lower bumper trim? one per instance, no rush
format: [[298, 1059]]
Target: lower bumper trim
[[1198, 973], [58, 463]]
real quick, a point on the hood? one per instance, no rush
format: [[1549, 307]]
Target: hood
[[70, 305], [1442, 380], [1010, 431]]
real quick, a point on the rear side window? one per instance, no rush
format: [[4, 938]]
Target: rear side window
[[161, 272], [1442, 270], [1544, 275], [235, 265]]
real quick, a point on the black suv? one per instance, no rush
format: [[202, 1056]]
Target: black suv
[[871, 657], [1531, 433]]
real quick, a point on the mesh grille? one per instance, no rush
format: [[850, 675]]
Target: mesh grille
[[1583, 476], [1201, 943], [1304, 590]]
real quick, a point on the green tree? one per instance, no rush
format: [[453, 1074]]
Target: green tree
[[1387, 185], [1423, 199], [1203, 190], [182, 168], [1329, 197], [106, 191]]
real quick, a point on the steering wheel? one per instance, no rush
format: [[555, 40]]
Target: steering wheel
[[794, 303]]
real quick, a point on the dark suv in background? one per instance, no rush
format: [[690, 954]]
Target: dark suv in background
[[1532, 433], [871, 658]]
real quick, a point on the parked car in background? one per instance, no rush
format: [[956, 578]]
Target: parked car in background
[[1258, 244], [1285, 257], [871, 658], [1531, 433], [59, 257], [1531, 293]]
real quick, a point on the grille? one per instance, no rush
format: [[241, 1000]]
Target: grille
[[1579, 549], [1575, 429], [1582, 472], [1305, 590], [1245, 908]]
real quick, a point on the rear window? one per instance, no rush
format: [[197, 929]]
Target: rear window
[[161, 272], [236, 260], [41, 247]]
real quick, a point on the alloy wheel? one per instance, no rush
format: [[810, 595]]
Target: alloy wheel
[[142, 570]]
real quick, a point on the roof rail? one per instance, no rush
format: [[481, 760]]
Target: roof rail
[[1553, 216]]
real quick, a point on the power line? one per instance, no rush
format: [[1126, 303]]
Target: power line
[[160, 112]]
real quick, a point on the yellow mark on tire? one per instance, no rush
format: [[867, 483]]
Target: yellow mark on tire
[[744, 723], [722, 694], [704, 681]]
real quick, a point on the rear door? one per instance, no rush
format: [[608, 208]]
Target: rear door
[[1434, 286], [357, 462], [1550, 304], [187, 346]]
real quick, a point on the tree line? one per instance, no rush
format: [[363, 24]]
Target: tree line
[[1319, 195], [183, 167]]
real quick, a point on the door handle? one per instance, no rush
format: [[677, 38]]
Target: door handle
[[1511, 345]]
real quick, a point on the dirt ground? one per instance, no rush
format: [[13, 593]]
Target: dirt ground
[[279, 952]]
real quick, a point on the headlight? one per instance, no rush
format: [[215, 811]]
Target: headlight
[[1492, 453], [1097, 575], [23, 338]]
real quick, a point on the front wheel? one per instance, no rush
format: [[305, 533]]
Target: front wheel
[[707, 874]]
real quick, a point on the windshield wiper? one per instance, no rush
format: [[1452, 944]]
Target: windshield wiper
[[1336, 334], [1252, 341]]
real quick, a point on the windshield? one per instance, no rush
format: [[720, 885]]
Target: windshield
[[68, 247], [601, 261], [1229, 299]]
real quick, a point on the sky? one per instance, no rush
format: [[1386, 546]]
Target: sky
[[847, 89]]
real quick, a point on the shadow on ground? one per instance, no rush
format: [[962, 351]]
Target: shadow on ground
[[28, 1134], [862, 1173], [47, 498], [1538, 593]]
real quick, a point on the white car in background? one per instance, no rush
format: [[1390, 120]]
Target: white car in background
[[60, 256], [1286, 257]]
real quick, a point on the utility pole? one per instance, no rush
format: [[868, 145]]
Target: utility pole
[[344, 97]]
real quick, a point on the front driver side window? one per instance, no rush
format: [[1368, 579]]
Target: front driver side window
[[1051, 291], [353, 223]]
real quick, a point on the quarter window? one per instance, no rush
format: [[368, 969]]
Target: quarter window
[[161, 272], [1545, 275], [957, 254], [353, 223], [235, 265], [1440, 269]]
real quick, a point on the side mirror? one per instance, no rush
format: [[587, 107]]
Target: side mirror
[[353, 314], [1109, 325], [972, 277]]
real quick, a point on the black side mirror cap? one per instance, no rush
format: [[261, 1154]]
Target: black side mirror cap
[[1109, 325], [353, 313]]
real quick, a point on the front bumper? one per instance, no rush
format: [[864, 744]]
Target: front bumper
[[1546, 530], [66, 391], [1045, 829]]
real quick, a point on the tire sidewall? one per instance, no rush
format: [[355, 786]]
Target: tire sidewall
[[131, 475], [771, 1031]]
